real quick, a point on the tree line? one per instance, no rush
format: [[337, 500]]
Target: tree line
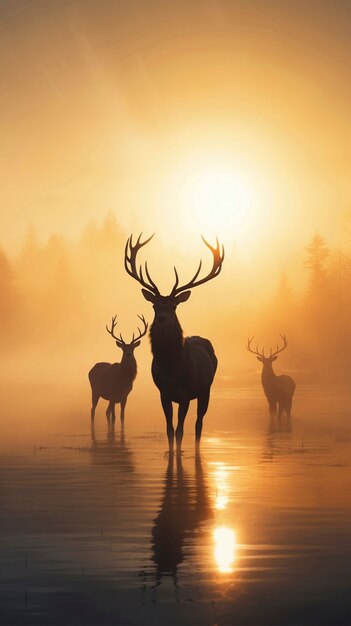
[[60, 292]]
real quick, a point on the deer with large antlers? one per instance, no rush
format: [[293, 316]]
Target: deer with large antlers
[[183, 369], [279, 390], [114, 381]]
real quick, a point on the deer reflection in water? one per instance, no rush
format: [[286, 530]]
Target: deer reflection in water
[[111, 451], [185, 505], [279, 437]]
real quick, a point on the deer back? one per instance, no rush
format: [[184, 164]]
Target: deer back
[[286, 385], [191, 374], [277, 387], [112, 381]]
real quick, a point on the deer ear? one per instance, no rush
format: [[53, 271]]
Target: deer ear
[[273, 358], [148, 295], [119, 344], [260, 359], [183, 297], [137, 343]]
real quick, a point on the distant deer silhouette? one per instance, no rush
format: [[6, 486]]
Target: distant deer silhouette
[[182, 369], [114, 381], [279, 390]]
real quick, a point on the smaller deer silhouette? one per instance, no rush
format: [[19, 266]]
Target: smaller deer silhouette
[[114, 381], [279, 390]]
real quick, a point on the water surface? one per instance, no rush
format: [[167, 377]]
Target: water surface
[[103, 527]]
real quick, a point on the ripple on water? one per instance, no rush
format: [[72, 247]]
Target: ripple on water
[[104, 527]]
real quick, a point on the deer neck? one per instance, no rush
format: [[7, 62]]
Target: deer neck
[[167, 346], [128, 368], [268, 376]]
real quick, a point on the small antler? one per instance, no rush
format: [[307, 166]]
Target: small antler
[[143, 332], [130, 255], [111, 332], [280, 349], [218, 258], [120, 339], [248, 347]]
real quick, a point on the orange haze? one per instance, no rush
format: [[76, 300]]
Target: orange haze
[[119, 110]]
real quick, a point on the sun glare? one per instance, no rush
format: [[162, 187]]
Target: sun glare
[[217, 201]]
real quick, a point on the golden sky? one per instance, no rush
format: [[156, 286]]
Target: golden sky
[[214, 116]]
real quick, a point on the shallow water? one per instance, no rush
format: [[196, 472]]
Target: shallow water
[[101, 527]]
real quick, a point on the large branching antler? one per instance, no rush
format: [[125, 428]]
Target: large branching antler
[[261, 354], [130, 265], [130, 255], [218, 258]]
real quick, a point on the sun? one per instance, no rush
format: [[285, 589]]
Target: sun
[[217, 201]]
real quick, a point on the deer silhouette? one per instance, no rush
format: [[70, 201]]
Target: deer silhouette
[[182, 369], [279, 390], [114, 381]]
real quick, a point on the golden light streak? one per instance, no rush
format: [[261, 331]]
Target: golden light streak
[[221, 502], [220, 475], [225, 549]]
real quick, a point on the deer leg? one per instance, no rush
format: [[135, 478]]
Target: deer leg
[[272, 424], [272, 408], [168, 411], [202, 406], [122, 435], [109, 410], [123, 406], [94, 401], [113, 412], [110, 431], [182, 411]]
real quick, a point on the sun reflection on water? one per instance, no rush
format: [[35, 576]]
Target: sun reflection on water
[[225, 549], [221, 501], [224, 537], [220, 475]]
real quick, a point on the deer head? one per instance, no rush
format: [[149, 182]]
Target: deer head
[[165, 306], [127, 348], [266, 360]]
